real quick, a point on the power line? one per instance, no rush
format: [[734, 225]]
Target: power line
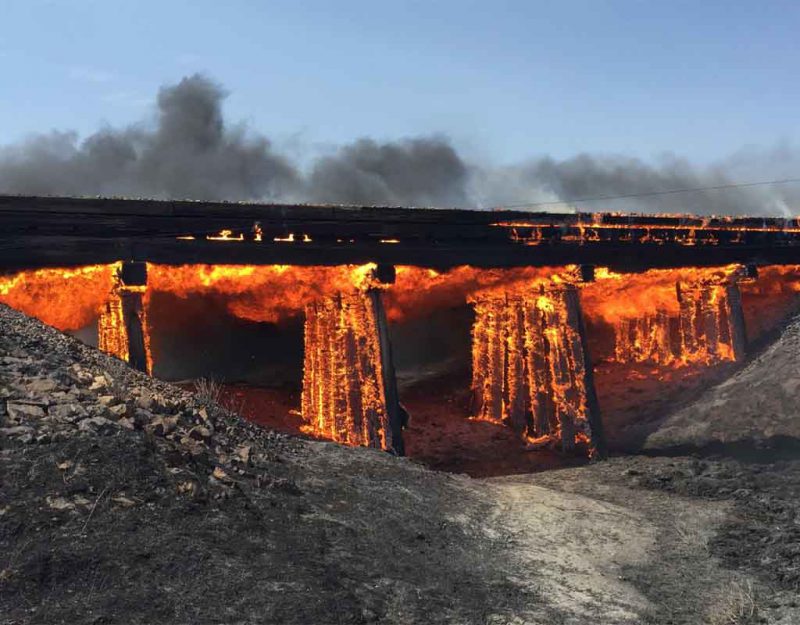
[[649, 194]]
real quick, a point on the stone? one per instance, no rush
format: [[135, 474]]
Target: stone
[[200, 433], [79, 374], [59, 503], [243, 453], [101, 425], [106, 400], [220, 474], [145, 399], [126, 423], [118, 411], [21, 433], [123, 501], [161, 426], [19, 411], [67, 412], [99, 382], [42, 385]]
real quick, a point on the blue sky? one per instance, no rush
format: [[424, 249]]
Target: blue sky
[[503, 79]]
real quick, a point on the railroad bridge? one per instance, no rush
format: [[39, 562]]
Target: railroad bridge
[[531, 280]]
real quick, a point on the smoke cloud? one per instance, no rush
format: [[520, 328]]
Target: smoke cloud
[[189, 152]]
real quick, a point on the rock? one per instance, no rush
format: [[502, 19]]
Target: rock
[[20, 411], [67, 412], [220, 474], [59, 503], [79, 374], [42, 385], [243, 453], [126, 423], [118, 411], [144, 399], [161, 426], [22, 433], [101, 425], [100, 382], [106, 400], [199, 433], [123, 501]]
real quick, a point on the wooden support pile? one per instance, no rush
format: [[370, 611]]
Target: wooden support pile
[[122, 325], [645, 338], [709, 327], [711, 322], [345, 374], [531, 367]]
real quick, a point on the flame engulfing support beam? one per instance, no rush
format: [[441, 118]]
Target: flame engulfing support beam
[[349, 386], [391, 397], [575, 319], [531, 367], [738, 330], [707, 327], [122, 327]]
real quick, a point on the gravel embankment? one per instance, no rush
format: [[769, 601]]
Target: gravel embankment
[[124, 500], [127, 500]]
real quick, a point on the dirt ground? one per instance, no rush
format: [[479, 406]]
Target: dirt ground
[[110, 516]]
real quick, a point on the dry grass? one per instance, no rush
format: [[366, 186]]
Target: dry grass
[[736, 605], [208, 392]]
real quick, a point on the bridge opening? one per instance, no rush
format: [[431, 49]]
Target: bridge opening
[[501, 370]]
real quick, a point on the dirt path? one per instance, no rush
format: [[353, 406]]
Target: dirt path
[[574, 549]]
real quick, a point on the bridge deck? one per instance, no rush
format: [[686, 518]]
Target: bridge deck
[[50, 231]]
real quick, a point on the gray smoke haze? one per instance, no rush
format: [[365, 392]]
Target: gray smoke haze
[[414, 172], [190, 152]]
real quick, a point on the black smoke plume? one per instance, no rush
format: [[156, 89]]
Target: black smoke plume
[[189, 152]]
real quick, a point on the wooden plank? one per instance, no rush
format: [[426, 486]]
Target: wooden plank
[[394, 436], [736, 323], [598, 438], [133, 317]]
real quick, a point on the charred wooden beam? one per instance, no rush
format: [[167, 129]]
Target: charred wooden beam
[[133, 279], [531, 367], [122, 326], [736, 323], [388, 373], [349, 387], [596, 429]]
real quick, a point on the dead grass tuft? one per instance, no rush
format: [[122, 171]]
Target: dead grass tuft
[[736, 605], [208, 392]]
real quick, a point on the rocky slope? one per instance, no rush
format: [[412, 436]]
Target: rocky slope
[[759, 405], [126, 500]]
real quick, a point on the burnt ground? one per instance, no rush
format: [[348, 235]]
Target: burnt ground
[[127, 500]]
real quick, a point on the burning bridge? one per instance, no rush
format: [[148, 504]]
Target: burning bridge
[[550, 296]]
